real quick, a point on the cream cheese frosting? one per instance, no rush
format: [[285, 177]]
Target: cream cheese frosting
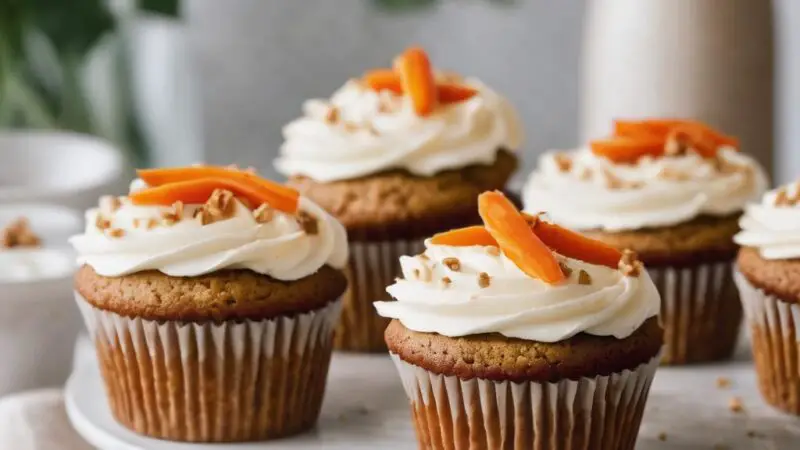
[[433, 297], [127, 238], [584, 191], [773, 225], [360, 132]]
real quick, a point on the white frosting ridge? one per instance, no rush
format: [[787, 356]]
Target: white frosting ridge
[[772, 226], [278, 248], [377, 131], [596, 193], [514, 304]]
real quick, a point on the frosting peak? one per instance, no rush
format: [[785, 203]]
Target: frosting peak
[[459, 291], [360, 131], [195, 239], [773, 225]]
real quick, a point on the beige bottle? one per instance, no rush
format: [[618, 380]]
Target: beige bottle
[[710, 60]]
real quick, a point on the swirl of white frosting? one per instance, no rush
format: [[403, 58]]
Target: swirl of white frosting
[[773, 226], [279, 248], [514, 304], [587, 191], [376, 131]]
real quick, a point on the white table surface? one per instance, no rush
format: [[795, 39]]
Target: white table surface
[[365, 408]]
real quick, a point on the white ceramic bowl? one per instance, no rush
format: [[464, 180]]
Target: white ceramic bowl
[[39, 320], [59, 167]]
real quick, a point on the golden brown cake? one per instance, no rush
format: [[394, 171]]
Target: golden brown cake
[[397, 155], [672, 191], [768, 278], [496, 329], [211, 295]]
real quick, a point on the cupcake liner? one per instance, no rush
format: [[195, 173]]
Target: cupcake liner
[[700, 312], [601, 413], [776, 345], [214, 382], [372, 267]]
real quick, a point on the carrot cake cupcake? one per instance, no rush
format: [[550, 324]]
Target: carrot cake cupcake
[[768, 277], [672, 191], [211, 295], [496, 330], [397, 155]]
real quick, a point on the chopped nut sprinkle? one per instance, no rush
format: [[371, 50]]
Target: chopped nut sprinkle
[[151, 223], [493, 251], [137, 222], [585, 174], [350, 127], [173, 216], [723, 383], [735, 405], [308, 222], [332, 115], [101, 223], [109, 203], [565, 269], [584, 277], [563, 162], [446, 281], [18, 233], [221, 205], [452, 263], [629, 264], [484, 280], [115, 232], [667, 173], [264, 213]]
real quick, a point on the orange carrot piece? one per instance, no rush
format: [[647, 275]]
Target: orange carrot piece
[[624, 149], [464, 237], [655, 128], [278, 196], [700, 138], [417, 80], [575, 245], [454, 93], [516, 238], [197, 191], [383, 80]]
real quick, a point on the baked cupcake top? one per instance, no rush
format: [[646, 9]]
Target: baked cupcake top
[[773, 225], [522, 277], [410, 117], [197, 220], [651, 173]]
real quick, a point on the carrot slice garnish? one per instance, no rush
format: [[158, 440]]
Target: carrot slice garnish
[[698, 138], [464, 237], [661, 128], [454, 93], [417, 80], [197, 191], [516, 238], [624, 149], [280, 197], [383, 80], [574, 245]]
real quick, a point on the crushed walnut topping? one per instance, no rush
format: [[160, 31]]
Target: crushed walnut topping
[[493, 250], [629, 264], [137, 222], [614, 182], [484, 280], [446, 281], [115, 232], [308, 222], [174, 215], [109, 203], [452, 263], [584, 277], [563, 162], [332, 115], [735, 405], [264, 213], [723, 383], [101, 223], [673, 175], [19, 234], [151, 223], [222, 204], [349, 127], [423, 273], [565, 269], [782, 198]]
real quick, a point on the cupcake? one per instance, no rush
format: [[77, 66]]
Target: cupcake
[[768, 278], [211, 295], [396, 156], [671, 191], [523, 335]]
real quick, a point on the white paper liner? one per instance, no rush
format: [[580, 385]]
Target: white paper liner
[[700, 312], [601, 413], [373, 266], [214, 382], [776, 344]]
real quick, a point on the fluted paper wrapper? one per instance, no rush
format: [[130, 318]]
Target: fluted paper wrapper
[[373, 266], [226, 382], [700, 312], [601, 413], [776, 345]]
